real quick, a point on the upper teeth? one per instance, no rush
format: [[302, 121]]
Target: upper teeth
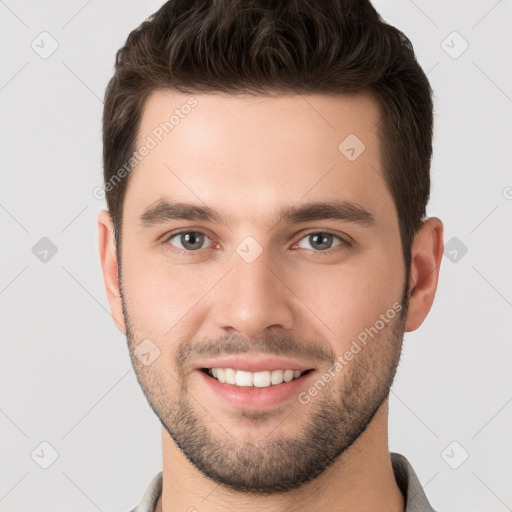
[[257, 379]]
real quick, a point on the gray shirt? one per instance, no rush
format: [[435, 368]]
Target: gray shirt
[[406, 479]]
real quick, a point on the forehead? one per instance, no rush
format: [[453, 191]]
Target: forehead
[[244, 123], [239, 152]]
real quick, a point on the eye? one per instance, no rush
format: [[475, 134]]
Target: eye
[[321, 241], [188, 240]]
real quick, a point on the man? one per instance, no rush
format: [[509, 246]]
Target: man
[[265, 248]]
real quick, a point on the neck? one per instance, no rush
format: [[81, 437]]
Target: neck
[[361, 479]]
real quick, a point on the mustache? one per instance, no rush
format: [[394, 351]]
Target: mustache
[[278, 345]]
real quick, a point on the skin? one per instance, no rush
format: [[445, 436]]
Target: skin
[[247, 157]]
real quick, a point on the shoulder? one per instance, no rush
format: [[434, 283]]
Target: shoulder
[[408, 482], [150, 498]]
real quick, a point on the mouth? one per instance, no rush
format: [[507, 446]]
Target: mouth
[[254, 381], [254, 391]]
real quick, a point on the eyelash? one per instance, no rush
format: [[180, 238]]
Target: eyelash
[[343, 242]]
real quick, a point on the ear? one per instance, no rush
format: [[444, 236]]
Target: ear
[[108, 258], [427, 252]]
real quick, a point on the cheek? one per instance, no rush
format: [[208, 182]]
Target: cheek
[[161, 298], [350, 298]]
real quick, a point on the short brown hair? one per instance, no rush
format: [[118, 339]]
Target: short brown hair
[[278, 46]]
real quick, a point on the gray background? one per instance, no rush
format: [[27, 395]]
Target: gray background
[[66, 377]]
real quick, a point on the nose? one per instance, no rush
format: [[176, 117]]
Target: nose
[[253, 298]]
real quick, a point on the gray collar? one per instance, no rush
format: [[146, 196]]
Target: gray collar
[[407, 480]]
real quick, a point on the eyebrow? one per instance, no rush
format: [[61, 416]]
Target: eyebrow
[[347, 211]]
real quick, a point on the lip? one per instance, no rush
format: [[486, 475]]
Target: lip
[[254, 398], [254, 364]]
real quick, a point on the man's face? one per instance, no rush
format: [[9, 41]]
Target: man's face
[[258, 285]]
